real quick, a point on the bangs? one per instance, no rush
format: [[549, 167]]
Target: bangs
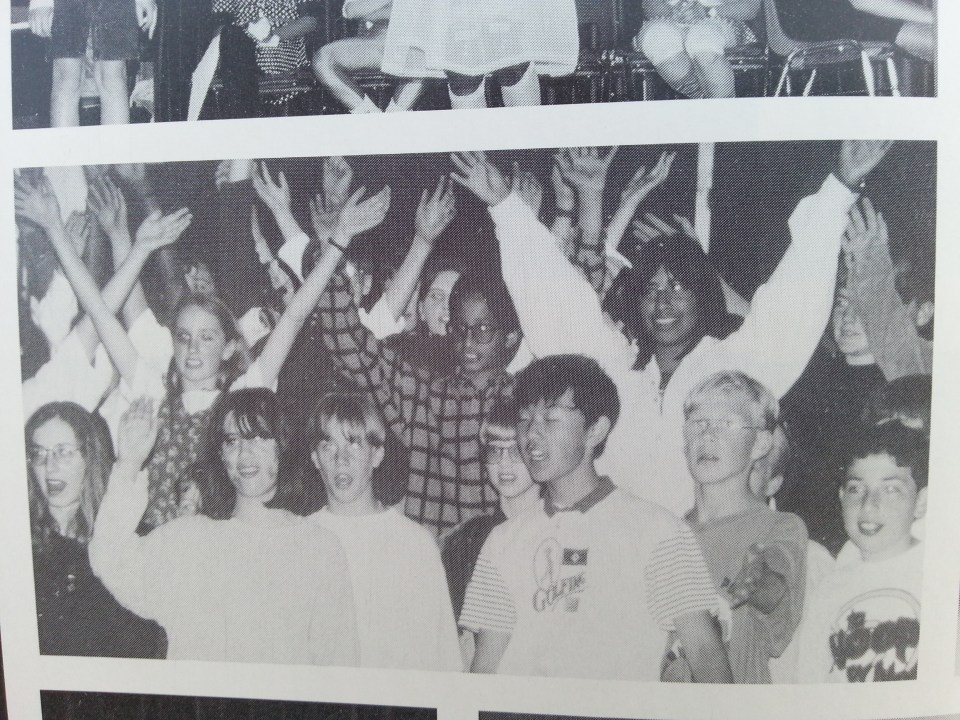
[[355, 412], [354, 429], [252, 424]]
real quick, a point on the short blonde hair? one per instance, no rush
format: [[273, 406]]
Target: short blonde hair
[[765, 405]]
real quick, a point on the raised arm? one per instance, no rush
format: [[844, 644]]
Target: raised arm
[[799, 293], [357, 217], [891, 330], [118, 555], [549, 293], [637, 190], [38, 204], [434, 213]]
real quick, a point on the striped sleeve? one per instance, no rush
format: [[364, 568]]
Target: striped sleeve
[[678, 581], [487, 604]]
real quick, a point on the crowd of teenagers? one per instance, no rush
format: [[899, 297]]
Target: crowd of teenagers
[[569, 458], [463, 44]]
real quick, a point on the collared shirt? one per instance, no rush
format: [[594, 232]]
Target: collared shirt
[[437, 418], [603, 488]]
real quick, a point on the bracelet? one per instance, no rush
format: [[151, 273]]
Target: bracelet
[[338, 246]]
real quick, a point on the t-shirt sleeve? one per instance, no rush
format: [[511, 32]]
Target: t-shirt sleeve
[[786, 553], [487, 604], [678, 581]]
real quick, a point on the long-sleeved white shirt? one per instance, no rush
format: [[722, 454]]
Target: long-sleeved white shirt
[[560, 313], [228, 589]]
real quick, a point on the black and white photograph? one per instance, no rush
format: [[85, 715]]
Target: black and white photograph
[[80, 62], [651, 413], [61, 705]]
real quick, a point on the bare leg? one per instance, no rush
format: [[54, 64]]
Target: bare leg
[[524, 91], [114, 103], [65, 93], [917, 40], [405, 96], [716, 75], [662, 43], [467, 93], [334, 63]]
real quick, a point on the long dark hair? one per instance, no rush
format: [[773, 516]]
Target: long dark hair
[[684, 260], [93, 440], [257, 413]]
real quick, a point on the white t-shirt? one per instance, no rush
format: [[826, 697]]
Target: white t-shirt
[[862, 624], [591, 591], [403, 610]]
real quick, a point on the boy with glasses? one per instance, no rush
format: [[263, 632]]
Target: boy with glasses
[[757, 556], [593, 583]]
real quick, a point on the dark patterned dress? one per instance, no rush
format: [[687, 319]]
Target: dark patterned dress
[[172, 489]]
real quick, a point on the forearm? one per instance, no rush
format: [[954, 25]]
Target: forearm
[[281, 340], [111, 332], [896, 10], [590, 217], [548, 290], [132, 299], [404, 282]]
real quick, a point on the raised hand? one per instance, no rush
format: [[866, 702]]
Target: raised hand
[[158, 230], [137, 433], [41, 21], [77, 228], [108, 205], [275, 195], [757, 583], [526, 185], [866, 227], [36, 202], [562, 192], [476, 173], [147, 15], [435, 211], [858, 158], [359, 215], [643, 183], [586, 168]]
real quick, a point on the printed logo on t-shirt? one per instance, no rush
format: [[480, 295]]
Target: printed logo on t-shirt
[[875, 637], [560, 574]]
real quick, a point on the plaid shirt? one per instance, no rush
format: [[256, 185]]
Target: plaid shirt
[[436, 417]]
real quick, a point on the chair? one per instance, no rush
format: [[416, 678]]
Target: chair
[[813, 57]]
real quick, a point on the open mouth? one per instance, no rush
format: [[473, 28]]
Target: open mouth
[[193, 363], [663, 321], [342, 481], [248, 471], [55, 487], [869, 528]]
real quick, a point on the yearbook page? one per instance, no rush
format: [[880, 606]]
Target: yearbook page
[[435, 360]]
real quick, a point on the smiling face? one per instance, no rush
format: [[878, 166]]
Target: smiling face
[[435, 307], [668, 311], [554, 438], [346, 460], [880, 502], [251, 462], [200, 348], [504, 462], [59, 467], [849, 333], [479, 343], [723, 438]]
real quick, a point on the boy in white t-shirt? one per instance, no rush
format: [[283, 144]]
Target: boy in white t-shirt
[[862, 623], [403, 611], [593, 583]]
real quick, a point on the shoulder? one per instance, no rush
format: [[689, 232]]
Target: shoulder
[[788, 525], [623, 509]]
